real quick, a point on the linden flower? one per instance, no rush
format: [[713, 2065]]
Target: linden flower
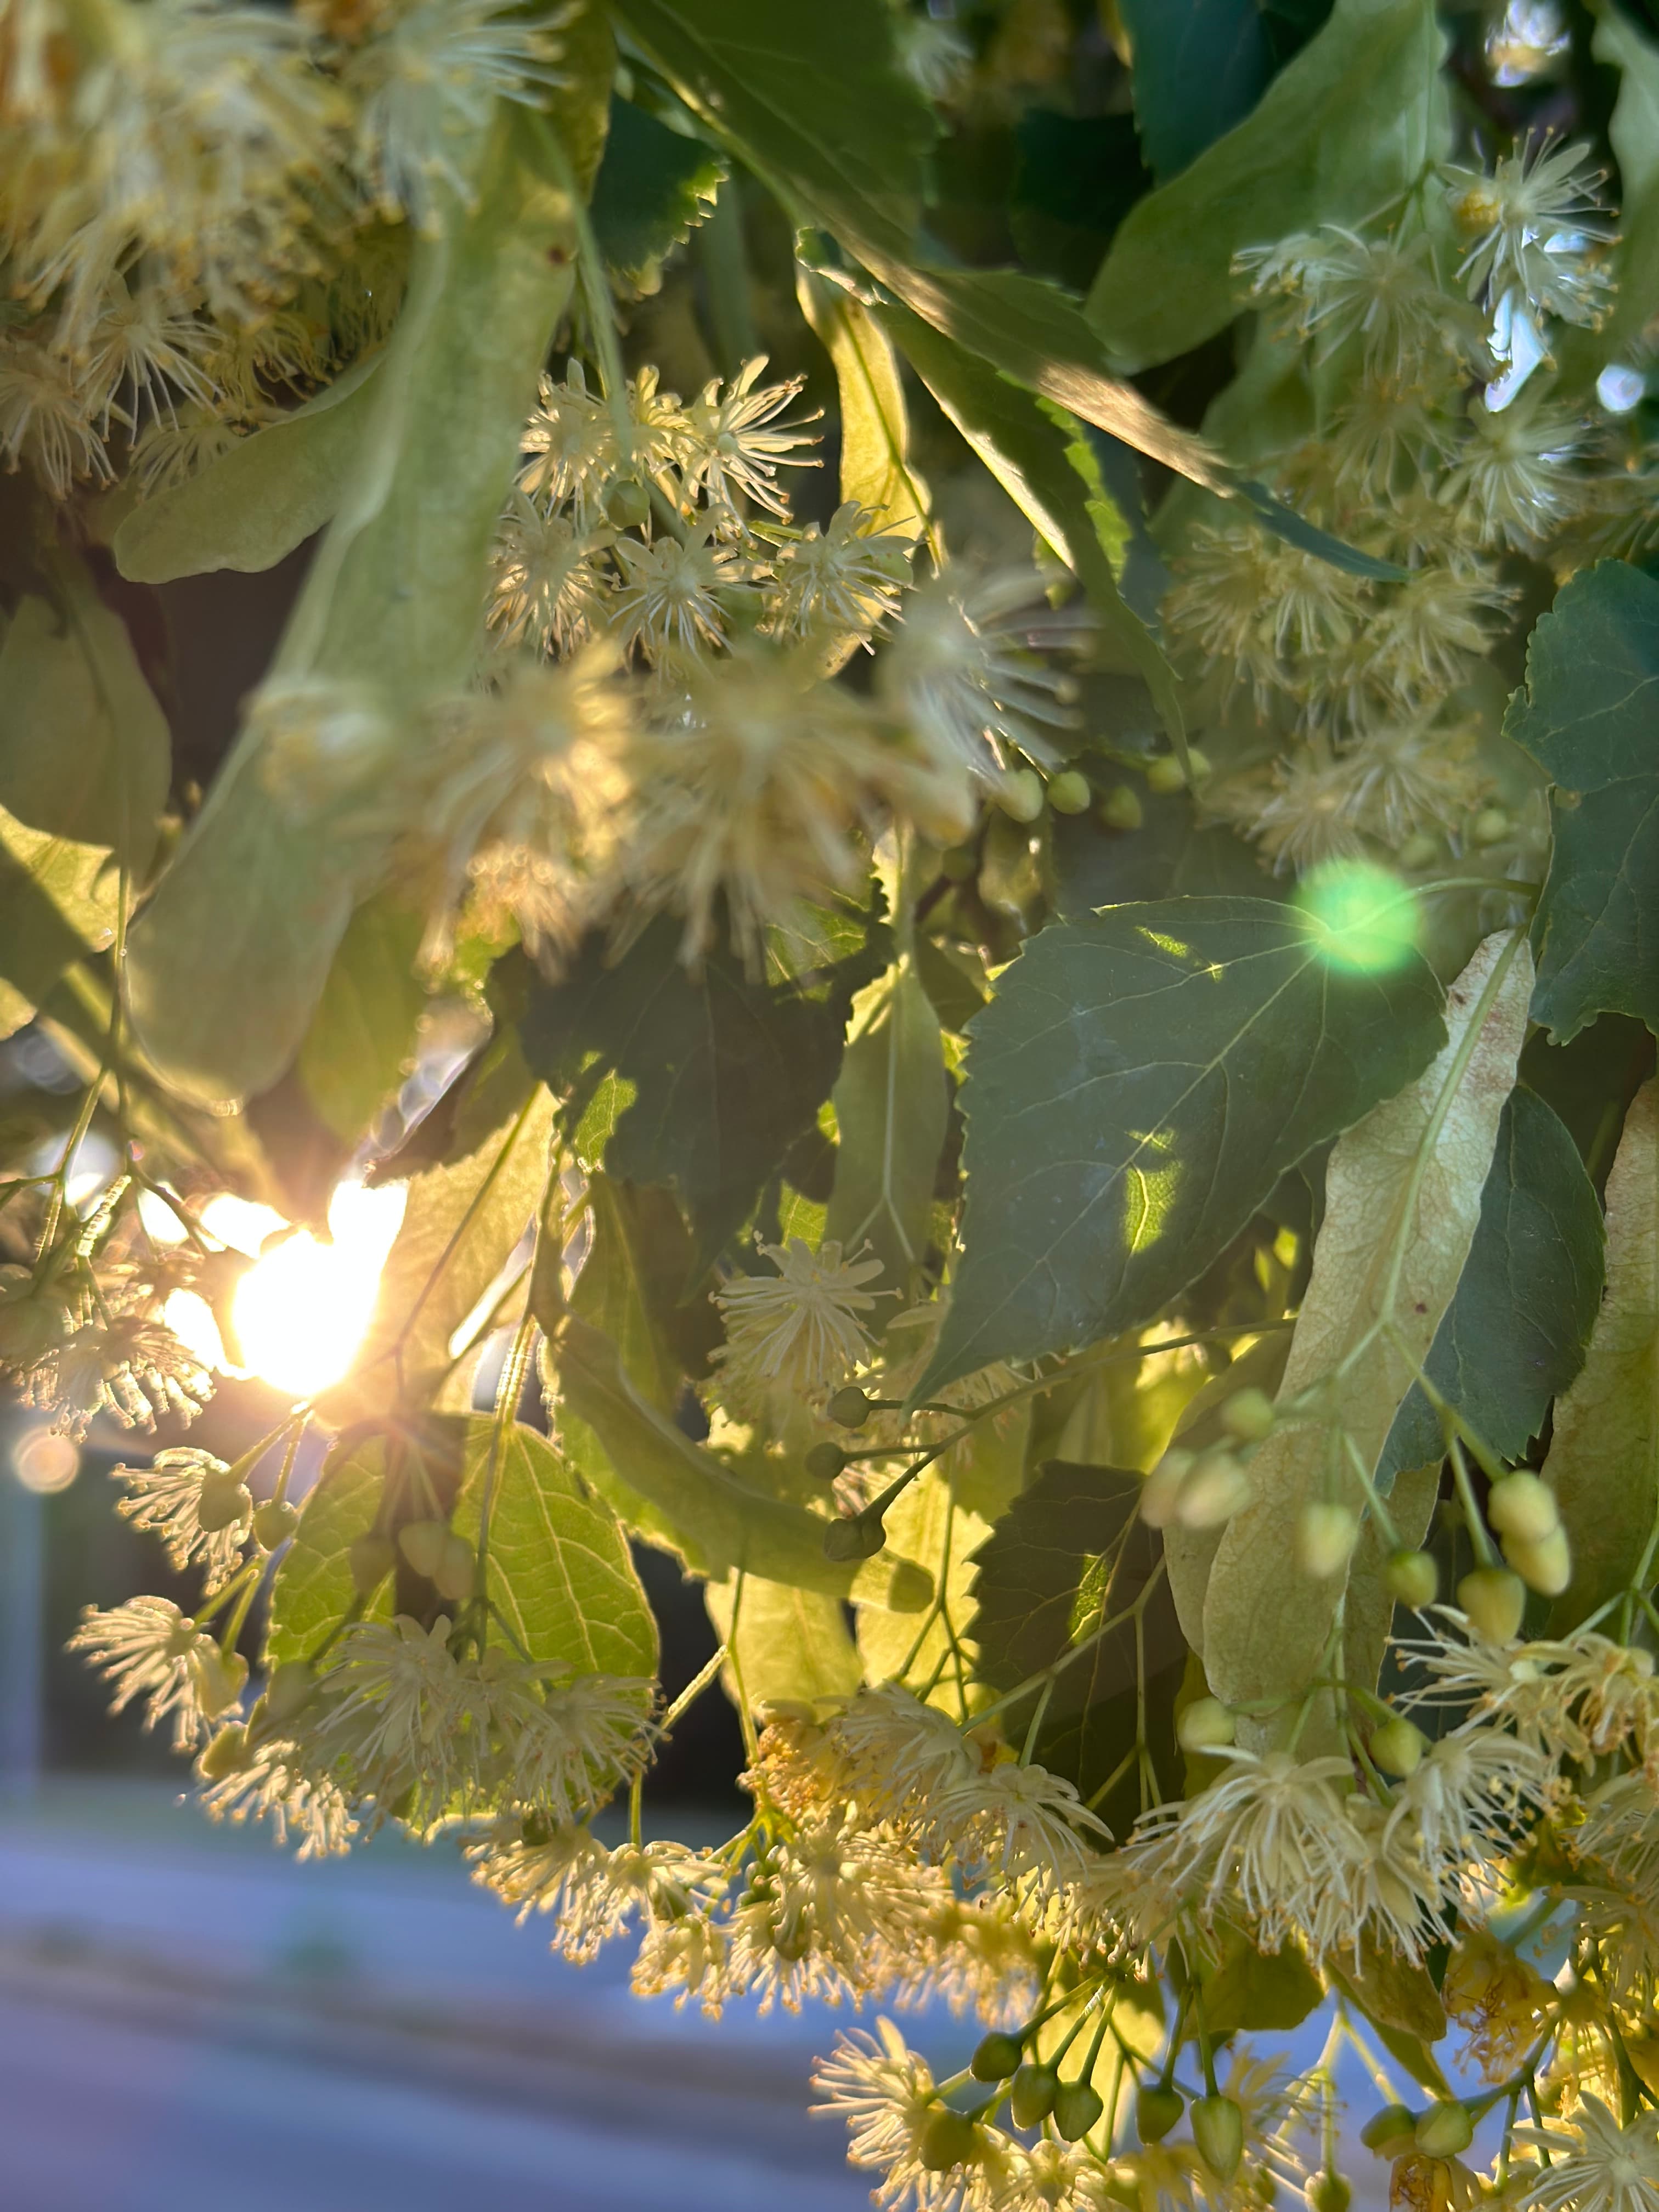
[[977, 1955], [1018, 1819], [145, 350], [683, 1958], [1471, 1802], [1385, 438], [963, 672], [1420, 641], [736, 444], [898, 1754], [798, 1330], [594, 1894], [563, 1746], [130, 1367], [173, 448], [884, 2092], [1496, 1999], [1537, 228], [550, 590], [47, 417], [824, 1913], [1388, 1895], [1261, 609], [147, 1648], [1597, 2166], [165, 1498], [1514, 482], [1050, 2177], [844, 580], [571, 437], [1620, 1826], [403, 1713], [675, 594], [426, 84], [1381, 291], [1302, 817], [276, 1784], [1408, 777]]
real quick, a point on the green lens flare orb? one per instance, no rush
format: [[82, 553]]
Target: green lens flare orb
[[1369, 920]]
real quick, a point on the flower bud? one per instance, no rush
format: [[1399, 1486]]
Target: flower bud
[[452, 1577], [1328, 2192], [1161, 1491], [1444, 2130], [824, 1461], [1205, 1725], [275, 1522], [627, 506], [1069, 793], [1121, 809], [422, 1543], [227, 1754], [1391, 2131], [1165, 773], [1490, 826], [1213, 1491], [948, 2139], [856, 1536], [997, 2058], [1523, 1506], [372, 1557], [850, 1408], [1248, 1415], [1077, 2105], [1157, 2110], [1019, 794], [221, 1677], [1413, 1579], [1219, 2131], [1419, 851], [1325, 1537], [1032, 2099], [1398, 1747], [1544, 1567], [225, 1499], [1494, 1601]]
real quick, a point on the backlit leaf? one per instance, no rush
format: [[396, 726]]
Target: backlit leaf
[[58, 901], [793, 1645], [1402, 1199], [1137, 1084], [312, 1590], [930, 1523], [1586, 717], [362, 1037], [875, 431], [890, 1100]]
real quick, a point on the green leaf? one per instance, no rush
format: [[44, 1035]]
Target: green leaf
[[1402, 1198], [1633, 129], [1042, 460], [875, 428], [1260, 1992], [391, 599], [727, 1071], [1586, 717], [1071, 1555], [1199, 68], [891, 1100], [1300, 159], [460, 1225], [312, 1590], [1170, 853], [1136, 1087], [1307, 537], [719, 1522], [254, 505], [56, 905], [1395, 1994], [930, 1523], [654, 186], [793, 1645], [1514, 1336], [560, 1573], [362, 1037], [85, 752], [1604, 1453]]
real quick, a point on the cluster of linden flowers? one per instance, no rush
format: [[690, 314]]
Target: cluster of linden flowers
[[195, 199], [1441, 447], [659, 726]]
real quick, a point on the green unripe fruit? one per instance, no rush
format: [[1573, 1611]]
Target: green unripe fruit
[[225, 1754], [1032, 2098], [1121, 809], [1160, 1494], [1219, 2131], [1070, 792], [948, 2139], [856, 1537], [1263, 2187], [997, 2058], [627, 506], [849, 1406], [1214, 1490], [454, 1576], [960, 865], [1490, 826], [1420, 852], [1123, 2187], [1495, 1600], [1077, 2105], [422, 1543], [287, 1688], [1325, 1537], [1328, 2192], [1206, 1725], [372, 1557], [1391, 2131], [275, 1522], [824, 1461], [1444, 2130], [1158, 2111], [1248, 1415], [1544, 1567], [225, 1499], [1398, 1748], [1019, 794], [1413, 1579], [1523, 1506], [1165, 773]]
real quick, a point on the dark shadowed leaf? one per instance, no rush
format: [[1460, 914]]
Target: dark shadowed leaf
[[654, 186], [1199, 67]]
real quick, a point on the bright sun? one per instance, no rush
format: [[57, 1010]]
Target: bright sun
[[301, 1310]]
